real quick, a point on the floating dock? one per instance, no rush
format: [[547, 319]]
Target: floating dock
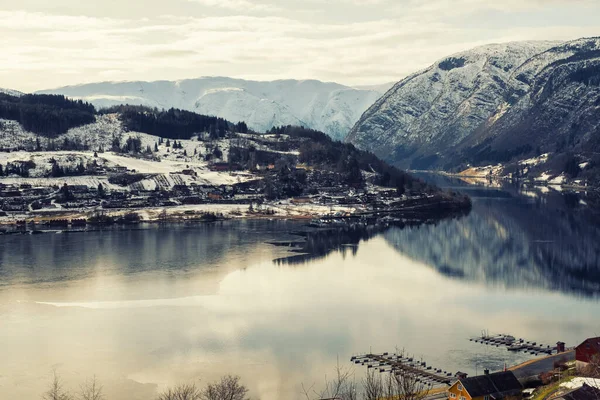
[[515, 344], [394, 363]]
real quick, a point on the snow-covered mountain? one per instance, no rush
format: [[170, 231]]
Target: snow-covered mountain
[[328, 107], [490, 104]]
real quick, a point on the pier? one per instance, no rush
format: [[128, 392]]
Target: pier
[[513, 344], [394, 363]]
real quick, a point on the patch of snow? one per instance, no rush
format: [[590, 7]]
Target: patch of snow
[[578, 382], [543, 177], [559, 180], [535, 160]]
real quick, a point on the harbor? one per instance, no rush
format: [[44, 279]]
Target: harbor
[[518, 344], [399, 363]]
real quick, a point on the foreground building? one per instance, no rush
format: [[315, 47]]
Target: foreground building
[[587, 352], [496, 386]]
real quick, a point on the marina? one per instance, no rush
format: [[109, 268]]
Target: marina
[[518, 344], [398, 363]]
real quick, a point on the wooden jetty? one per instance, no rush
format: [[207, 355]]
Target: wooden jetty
[[394, 363], [514, 344]]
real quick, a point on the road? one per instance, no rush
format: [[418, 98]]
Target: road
[[539, 365]]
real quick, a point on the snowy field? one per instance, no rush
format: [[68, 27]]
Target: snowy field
[[164, 170]]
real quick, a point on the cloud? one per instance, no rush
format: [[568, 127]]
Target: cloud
[[238, 5], [349, 41]]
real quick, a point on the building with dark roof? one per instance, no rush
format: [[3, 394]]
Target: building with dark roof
[[585, 392], [499, 385], [586, 352]]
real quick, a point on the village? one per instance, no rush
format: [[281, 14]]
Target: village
[[79, 187]]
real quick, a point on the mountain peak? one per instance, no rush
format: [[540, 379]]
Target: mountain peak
[[493, 104]]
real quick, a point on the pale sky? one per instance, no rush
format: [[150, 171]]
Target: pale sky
[[51, 43]]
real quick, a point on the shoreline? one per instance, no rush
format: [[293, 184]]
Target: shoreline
[[187, 213], [436, 207], [535, 183]]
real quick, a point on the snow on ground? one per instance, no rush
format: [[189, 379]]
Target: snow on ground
[[165, 169], [13, 134], [583, 165], [531, 162], [42, 161], [559, 180], [543, 177], [578, 382], [89, 181], [487, 170]]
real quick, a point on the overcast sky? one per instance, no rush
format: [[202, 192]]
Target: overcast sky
[[51, 43]]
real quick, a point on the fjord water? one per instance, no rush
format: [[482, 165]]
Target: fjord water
[[157, 305]]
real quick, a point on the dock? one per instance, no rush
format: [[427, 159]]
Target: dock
[[515, 344], [394, 363]]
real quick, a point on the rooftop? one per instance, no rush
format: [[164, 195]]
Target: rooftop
[[495, 385]]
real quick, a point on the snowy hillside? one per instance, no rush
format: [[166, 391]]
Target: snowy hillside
[[11, 92], [328, 107], [434, 109]]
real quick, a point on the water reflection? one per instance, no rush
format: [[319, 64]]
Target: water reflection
[[148, 308], [540, 241]]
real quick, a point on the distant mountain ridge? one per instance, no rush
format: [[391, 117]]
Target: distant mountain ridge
[[491, 104], [11, 92], [325, 106]]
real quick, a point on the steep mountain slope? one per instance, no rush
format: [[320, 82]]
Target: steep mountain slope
[[328, 107], [554, 108], [425, 117]]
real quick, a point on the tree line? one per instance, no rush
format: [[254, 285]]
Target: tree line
[[46, 115], [173, 123], [322, 151]]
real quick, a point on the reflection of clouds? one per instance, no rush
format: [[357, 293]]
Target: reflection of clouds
[[275, 326]]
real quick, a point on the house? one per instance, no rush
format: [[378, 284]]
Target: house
[[585, 392], [587, 352], [499, 385]]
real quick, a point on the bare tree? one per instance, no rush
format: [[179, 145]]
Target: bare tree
[[404, 383], [228, 388], [181, 392], [91, 390], [56, 390], [372, 384], [592, 369], [408, 386], [341, 387]]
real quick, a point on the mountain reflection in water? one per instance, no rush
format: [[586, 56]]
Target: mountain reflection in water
[[533, 241]]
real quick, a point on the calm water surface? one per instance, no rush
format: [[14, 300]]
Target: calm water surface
[[150, 307]]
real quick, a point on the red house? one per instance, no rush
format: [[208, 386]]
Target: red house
[[586, 352]]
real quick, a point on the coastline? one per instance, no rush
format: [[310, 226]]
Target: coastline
[[433, 207]]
